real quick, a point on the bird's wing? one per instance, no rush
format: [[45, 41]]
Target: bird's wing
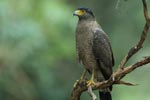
[[103, 52]]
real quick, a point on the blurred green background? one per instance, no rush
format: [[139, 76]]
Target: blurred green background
[[37, 47]]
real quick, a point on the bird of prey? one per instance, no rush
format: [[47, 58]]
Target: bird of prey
[[94, 50]]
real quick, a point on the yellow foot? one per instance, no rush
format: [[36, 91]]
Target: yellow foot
[[90, 83]]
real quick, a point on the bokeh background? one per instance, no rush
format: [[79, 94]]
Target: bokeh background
[[37, 47]]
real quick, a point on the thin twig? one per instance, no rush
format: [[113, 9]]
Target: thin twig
[[125, 83], [91, 93], [145, 10]]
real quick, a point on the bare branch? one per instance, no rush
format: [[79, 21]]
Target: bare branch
[[130, 68], [145, 10], [126, 83], [82, 85], [138, 46], [91, 93]]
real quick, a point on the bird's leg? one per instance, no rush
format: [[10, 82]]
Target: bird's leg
[[91, 81], [81, 78], [83, 75]]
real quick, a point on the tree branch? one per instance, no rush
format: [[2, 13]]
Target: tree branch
[[145, 10], [138, 46], [91, 93], [82, 85], [122, 71]]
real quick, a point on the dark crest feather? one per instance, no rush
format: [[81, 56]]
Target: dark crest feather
[[86, 9]]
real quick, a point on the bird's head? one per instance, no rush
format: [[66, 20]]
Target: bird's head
[[83, 13]]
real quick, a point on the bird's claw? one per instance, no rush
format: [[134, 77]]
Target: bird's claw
[[90, 83]]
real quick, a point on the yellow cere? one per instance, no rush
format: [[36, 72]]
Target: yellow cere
[[80, 12]]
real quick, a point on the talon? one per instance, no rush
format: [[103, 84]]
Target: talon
[[90, 83]]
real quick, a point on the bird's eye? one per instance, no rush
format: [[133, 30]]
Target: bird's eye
[[83, 11]]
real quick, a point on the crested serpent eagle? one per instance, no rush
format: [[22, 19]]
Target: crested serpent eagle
[[94, 50]]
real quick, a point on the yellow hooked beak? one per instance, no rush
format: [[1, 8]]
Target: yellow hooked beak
[[79, 13]]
